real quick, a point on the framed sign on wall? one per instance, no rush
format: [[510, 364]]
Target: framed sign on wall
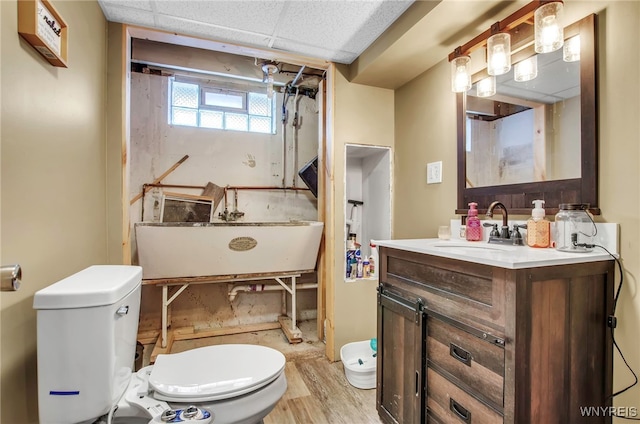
[[42, 26]]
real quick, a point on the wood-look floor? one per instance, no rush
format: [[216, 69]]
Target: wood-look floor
[[319, 393]]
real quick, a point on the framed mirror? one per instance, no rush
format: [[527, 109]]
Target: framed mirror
[[536, 139]]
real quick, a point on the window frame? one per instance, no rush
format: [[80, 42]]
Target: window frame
[[244, 95]]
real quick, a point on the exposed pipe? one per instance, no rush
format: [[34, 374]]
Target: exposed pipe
[[294, 129], [265, 287], [298, 75], [231, 187], [285, 98], [266, 188]]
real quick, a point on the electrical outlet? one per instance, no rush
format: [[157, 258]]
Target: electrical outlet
[[434, 172]]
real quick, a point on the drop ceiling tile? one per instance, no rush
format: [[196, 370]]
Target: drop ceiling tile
[[255, 16], [188, 27], [130, 16], [339, 25], [377, 23], [134, 4], [325, 23]]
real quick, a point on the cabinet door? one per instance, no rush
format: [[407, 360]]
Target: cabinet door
[[401, 360]]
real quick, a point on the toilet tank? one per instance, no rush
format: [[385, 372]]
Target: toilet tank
[[86, 331]]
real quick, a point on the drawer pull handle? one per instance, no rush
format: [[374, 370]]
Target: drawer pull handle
[[417, 383], [460, 411], [460, 354]]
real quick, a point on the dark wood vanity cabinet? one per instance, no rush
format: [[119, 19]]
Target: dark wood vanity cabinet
[[461, 342]]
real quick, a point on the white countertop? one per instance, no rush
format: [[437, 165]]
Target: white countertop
[[504, 256]]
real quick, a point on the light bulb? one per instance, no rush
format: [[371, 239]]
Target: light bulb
[[526, 70], [571, 52], [499, 54], [460, 77], [486, 87], [549, 34], [270, 86]]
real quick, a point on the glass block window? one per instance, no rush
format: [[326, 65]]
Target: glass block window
[[195, 105]]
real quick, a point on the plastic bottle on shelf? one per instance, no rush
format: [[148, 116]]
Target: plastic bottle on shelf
[[474, 228], [463, 227], [538, 227], [365, 268], [373, 260], [351, 255]]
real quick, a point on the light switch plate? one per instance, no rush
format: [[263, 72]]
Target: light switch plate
[[434, 172]]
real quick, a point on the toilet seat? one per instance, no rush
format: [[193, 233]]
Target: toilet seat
[[214, 372]]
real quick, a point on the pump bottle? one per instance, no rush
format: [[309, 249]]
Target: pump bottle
[[474, 229], [538, 227]]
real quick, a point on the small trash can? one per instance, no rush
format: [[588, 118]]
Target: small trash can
[[359, 361]]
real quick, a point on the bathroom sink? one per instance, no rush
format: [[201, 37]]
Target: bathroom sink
[[482, 252], [475, 246]]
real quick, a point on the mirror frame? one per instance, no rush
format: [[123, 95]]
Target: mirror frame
[[518, 197]]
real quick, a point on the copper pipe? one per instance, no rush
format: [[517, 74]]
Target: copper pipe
[[265, 188], [172, 185], [229, 187]]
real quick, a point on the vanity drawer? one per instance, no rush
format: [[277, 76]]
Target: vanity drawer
[[468, 292], [451, 405], [476, 363]]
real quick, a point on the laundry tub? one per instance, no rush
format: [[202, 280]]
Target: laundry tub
[[359, 363]]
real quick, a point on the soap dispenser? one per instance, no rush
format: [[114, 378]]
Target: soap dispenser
[[538, 227], [474, 229]]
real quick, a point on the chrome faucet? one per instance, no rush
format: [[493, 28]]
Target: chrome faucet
[[504, 234]]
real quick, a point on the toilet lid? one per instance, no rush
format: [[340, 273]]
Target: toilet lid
[[214, 372]]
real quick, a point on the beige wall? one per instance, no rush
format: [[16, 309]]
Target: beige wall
[[426, 131], [53, 180], [361, 115]]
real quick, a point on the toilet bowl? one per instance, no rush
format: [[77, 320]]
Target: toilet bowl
[[237, 384], [86, 331]]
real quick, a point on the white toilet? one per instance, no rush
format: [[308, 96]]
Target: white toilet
[[87, 329]]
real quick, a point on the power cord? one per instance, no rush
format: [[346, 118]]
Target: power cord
[[612, 322]]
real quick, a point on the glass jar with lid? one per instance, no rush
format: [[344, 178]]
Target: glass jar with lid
[[574, 228]]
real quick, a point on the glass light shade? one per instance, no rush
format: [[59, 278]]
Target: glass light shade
[[486, 87], [571, 52], [526, 70], [549, 33], [499, 54], [460, 76]]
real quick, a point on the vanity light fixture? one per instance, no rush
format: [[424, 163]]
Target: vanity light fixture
[[486, 87], [526, 70], [549, 33], [571, 52], [544, 16], [498, 52]]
